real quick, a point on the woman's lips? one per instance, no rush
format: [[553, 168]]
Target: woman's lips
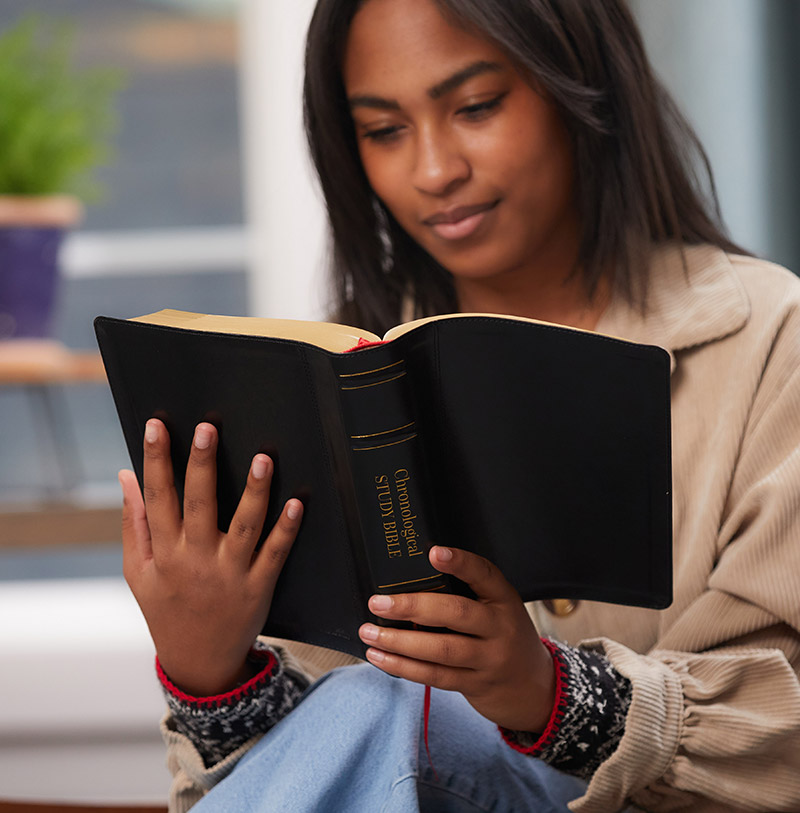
[[458, 223]]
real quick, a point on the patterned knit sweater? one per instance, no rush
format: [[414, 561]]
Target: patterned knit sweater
[[586, 724]]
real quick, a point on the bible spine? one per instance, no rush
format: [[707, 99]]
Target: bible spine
[[389, 473]]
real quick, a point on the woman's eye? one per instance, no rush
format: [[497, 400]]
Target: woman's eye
[[480, 110], [383, 135]]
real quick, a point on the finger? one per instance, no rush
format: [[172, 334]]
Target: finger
[[160, 497], [200, 490], [276, 547], [136, 542], [448, 649], [248, 520], [457, 613], [449, 678], [486, 581]]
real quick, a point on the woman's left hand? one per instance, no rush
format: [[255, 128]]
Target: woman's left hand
[[493, 655]]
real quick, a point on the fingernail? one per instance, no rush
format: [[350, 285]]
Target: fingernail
[[150, 432], [293, 508], [375, 656], [369, 632], [202, 437], [260, 466], [443, 554], [381, 602]]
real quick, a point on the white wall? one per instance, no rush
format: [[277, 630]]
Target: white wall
[[711, 56], [286, 218]]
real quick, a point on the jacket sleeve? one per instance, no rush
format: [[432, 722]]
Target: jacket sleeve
[[195, 769], [714, 721]]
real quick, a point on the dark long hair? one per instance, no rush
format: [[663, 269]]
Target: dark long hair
[[642, 175]]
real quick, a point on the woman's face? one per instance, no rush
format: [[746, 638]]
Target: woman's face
[[472, 162]]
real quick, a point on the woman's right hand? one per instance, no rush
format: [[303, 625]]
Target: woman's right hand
[[204, 594]]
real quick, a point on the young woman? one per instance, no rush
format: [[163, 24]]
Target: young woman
[[510, 157]]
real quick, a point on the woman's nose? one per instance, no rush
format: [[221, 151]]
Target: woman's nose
[[440, 165]]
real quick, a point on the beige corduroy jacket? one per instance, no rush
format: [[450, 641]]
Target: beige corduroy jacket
[[714, 723]]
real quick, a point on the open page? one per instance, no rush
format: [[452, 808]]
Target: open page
[[328, 335]]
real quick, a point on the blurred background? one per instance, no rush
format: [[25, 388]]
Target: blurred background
[[208, 205]]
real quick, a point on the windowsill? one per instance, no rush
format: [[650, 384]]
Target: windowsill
[[78, 683]]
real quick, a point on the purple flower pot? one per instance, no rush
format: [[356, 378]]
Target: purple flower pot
[[28, 279]]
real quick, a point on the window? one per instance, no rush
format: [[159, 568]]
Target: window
[[168, 231]]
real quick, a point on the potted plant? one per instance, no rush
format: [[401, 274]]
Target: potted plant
[[55, 126]]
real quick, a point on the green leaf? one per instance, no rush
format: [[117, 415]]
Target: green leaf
[[56, 120]]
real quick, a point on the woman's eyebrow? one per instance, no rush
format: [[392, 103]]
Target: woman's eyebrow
[[378, 102], [436, 92], [452, 82]]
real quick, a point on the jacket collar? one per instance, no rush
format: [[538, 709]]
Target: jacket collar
[[694, 297]]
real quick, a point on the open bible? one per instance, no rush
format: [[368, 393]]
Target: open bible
[[545, 449]]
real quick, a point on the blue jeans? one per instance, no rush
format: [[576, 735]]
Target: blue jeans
[[355, 743]]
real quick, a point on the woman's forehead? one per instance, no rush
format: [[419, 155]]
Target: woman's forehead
[[397, 43]]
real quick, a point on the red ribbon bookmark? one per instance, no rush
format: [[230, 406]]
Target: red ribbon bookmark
[[427, 714]]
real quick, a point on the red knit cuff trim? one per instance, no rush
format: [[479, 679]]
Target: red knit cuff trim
[[362, 343], [556, 716], [228, 698]]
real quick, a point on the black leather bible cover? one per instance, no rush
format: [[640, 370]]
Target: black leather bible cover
[[542, 448]]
